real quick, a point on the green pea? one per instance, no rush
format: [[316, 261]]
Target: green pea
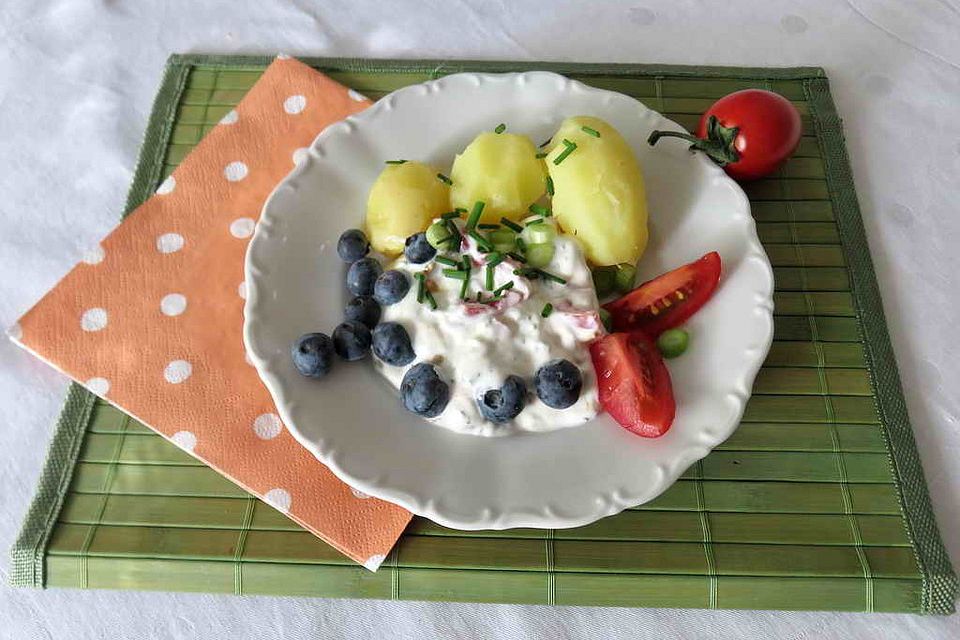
[[539, 233], [437, 233], [604, 280], [625, 276], [503, 240], [606, 319], [539, 255], [673, 342]]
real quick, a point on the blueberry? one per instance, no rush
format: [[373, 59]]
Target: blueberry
[[391, 343], [505, 403], [418, 250], [363, 309], [313, 354], [423, 392], [558, 383], [351, 340], [391, 287], [362, 275], [352, 245]]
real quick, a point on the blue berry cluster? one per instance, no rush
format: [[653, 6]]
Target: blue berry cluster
[[372, 287]]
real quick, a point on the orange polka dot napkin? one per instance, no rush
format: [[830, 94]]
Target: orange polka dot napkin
[[152, 319]]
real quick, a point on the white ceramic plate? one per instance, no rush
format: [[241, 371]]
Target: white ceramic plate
[[353, 420]]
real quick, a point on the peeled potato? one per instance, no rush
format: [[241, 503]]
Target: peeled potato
[[599, 196], [403, 201], [500, 169]]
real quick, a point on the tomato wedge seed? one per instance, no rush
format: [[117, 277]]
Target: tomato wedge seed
[[633, 383], [668, 300]]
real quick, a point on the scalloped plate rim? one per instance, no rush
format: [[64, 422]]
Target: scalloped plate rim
[[542, 516]]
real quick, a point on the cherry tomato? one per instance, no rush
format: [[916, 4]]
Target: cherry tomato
[[668, 300], [633, 383], [749, 133]]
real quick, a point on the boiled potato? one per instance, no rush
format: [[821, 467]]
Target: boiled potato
[[503, 171], [403, 201], [599, 195]]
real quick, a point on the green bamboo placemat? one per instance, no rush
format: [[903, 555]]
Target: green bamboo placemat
[[817, 501]]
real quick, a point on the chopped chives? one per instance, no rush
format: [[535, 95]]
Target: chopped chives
[[460, 210], [533, 273], [487, 225], [546, 275], [570, 148], [431, 300], [504, 287], [465, 261], [516, 256], [521, 245], [534, 221], [482, 242], [463, 289], [494, 259], [444, 179], [545, 142], [549, 185], [447, 261], [590, 131], [475, 215], [510, 224], [421, 286], [455, 236], [450, 215], [444, 239], [500, 128], [547, 310], [488, 279], [456, 274], [395, 161], [539, 209], [541, 155]]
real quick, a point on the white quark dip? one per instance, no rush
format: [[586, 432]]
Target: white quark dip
[[475, 346]]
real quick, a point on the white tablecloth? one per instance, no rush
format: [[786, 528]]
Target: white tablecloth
[[76, 82]]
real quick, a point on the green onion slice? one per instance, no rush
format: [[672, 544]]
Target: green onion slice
[[395, 161], [540, 210], [482, 242], [549, 276], [475, 215], [570, 148], [456, 274], [510, 224], [590, 131], [421, 286]]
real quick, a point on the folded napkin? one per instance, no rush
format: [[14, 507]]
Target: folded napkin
[[151, 320]]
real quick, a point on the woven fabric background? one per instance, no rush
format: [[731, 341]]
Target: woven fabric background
[[863, 65]]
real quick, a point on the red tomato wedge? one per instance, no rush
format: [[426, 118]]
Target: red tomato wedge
[[634, 383], [667, 301]]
